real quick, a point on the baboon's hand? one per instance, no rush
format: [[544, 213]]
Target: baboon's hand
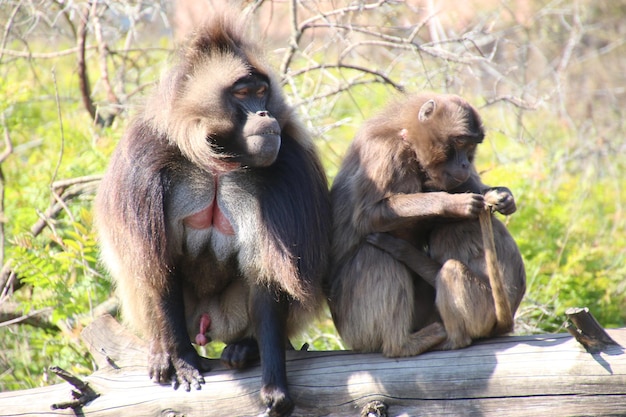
[[159, 364], [182, 371], [501, 199], [187, 372], [240, 354], [464, 205]]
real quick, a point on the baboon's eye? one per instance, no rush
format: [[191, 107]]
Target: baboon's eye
[[260, 93], [459, 142], [241, 93]]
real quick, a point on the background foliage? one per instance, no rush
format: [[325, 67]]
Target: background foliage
[[548, 77]]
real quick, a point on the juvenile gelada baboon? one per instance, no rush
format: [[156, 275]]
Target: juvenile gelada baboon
[[214, 215], [408, 267]]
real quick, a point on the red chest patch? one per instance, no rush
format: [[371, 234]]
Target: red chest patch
[[200, 220], [211, 216]]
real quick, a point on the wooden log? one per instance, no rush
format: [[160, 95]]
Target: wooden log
[[542, 375]]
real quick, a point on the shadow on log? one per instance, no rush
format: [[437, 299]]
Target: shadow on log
[[540, 375]]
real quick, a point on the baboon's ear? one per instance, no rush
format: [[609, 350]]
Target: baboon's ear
[[427, 110]]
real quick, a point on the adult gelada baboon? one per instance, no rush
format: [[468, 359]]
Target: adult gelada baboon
[[409, 172], [214, 215]]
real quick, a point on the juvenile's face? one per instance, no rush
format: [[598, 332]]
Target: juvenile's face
[[455, 166], [444, 133]]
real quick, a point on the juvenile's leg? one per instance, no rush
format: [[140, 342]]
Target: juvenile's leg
[[465, 304], [375, 304], [418, 342]]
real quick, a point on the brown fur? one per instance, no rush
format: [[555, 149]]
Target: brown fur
[[217, 141], [410, 172]]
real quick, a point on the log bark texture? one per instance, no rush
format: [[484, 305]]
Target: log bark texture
[[541, 375]]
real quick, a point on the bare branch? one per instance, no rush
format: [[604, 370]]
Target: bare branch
[[348, 86], [55, 208], [516, 101], [8, 144], [61, 130], [362, 69], [7, 29], [83, 78], [8, 150], [297, 30], [294, 40], [357, 7], [60, 185], [71, 51], [103, 53], [8, 282], [432, 48], [10, 314]]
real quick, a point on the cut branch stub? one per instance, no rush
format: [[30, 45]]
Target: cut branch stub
[[83, 393], [587, 331]]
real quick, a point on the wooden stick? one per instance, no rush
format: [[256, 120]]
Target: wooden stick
[[504, 317]]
